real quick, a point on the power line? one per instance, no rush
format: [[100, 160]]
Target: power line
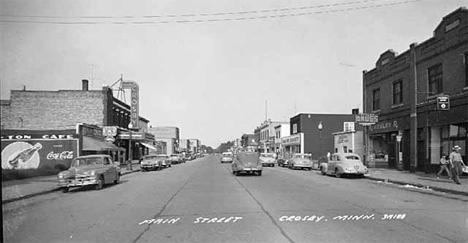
[[195, 14], [211, 20]]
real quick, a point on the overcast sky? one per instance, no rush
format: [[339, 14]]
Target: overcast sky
[[208, 66]]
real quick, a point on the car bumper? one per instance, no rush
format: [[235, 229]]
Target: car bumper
[[226, 161], [355, 172], [149, 167], [249, 170], [302, 166], [268, 164], [77, 182]]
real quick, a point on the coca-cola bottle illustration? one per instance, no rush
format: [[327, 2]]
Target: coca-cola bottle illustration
[[23, 156]]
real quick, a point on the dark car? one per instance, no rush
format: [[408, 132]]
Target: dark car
[[282, 162], [90, 170], [247, 162]]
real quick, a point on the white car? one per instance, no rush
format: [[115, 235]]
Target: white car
[[341, 164]]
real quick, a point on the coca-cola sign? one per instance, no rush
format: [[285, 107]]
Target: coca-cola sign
[[38, 153], [60, 155]]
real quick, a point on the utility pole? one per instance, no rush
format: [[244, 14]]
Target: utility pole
[[414, 111]]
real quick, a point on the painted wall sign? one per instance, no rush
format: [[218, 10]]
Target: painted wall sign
[[38, 136], [38, 153]]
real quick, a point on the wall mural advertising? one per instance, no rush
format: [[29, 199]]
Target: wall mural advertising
[[35, 151]]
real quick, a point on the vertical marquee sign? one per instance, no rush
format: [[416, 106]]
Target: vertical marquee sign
[[135, 96]]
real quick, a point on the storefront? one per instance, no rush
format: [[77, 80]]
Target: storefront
[[292, 144], [93, 141], [385, 151]]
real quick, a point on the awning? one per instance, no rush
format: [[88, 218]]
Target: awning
[[149, 146], [93, 144]]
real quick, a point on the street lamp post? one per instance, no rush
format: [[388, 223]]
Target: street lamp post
[[320, 127], [129, 166]]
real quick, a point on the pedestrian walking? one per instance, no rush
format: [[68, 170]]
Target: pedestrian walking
[[456, 162], [444, 166]]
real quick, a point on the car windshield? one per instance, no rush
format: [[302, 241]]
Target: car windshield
[[150, 157], [352, 157], [87, 161], [227, 154], [302, 156], [267, 155]]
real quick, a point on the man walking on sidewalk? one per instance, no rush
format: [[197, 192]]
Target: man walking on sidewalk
[[456, 163]]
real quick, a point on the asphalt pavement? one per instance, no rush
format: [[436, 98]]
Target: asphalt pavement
[[202, 201]]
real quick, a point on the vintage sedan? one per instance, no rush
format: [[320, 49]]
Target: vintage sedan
[[227, 157], [341, 164], [152, 162], [167, 162], [300, 161], [247, 162], [176, 159], [268, 159], [90, 170]]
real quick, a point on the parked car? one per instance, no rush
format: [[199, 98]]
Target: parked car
[[268, 159], [165, 161], [300, 161], [247, 162], [152, 162], [90, 170], [282, 162], [227, 157], [341, 164], [175, 159]]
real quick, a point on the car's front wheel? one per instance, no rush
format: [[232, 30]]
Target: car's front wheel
[[337, 173], [117, 179], [100, 183], [259, 173], [322, 170], [65, 189]]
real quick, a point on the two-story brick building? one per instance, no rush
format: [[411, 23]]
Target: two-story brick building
[[63, 110], [403, 90]]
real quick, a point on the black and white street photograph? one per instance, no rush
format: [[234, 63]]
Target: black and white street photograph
[[234, 121]]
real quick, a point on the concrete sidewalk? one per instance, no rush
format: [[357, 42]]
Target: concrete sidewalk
[[21, 189], [421, 180]]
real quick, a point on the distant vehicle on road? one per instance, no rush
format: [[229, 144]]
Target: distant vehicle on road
[[90, 170], [227, 157], [247, 162], [152, 162], [300, 161], [268, 159], [341, 164]]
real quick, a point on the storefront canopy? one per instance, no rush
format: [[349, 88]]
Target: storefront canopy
[[93, 144], [149, 146]]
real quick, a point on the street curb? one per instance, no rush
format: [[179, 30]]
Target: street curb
[[46, 192], [439, 189]]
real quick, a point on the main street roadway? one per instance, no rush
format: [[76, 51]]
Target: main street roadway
[[202, 201]]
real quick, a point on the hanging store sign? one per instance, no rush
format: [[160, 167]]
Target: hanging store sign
[[366, 119], [134, 103]]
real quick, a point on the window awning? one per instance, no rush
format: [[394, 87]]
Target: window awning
[[93, 144], [149, 146]]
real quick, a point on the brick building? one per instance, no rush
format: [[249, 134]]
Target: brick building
[[403, 90], [64, 109], [307, 136]]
